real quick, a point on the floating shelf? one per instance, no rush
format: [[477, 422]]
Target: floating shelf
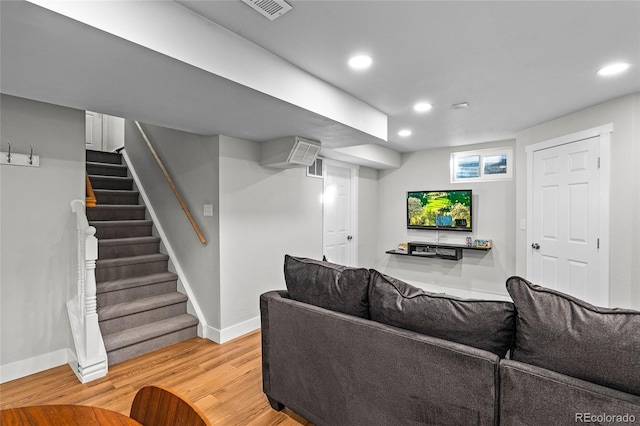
[[437, 250]]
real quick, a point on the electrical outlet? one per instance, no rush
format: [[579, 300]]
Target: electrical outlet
[[523, 224], [208, 209]]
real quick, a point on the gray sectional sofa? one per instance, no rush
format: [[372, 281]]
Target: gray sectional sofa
[[351, 346]]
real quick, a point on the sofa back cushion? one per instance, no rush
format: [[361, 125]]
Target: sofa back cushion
[[484, 324], [567, 335], [327, 285]]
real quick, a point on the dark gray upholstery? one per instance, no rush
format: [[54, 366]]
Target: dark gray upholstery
[[483, 324], [336, 287], [569, 336], [534, 396], [336, 369]]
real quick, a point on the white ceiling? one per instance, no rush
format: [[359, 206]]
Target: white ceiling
[[517, 63]]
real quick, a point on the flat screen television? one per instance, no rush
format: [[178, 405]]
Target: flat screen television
[[449, 210]]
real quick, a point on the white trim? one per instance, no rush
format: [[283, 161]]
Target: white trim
[[573, 137], [230, 333], [604, 132], [36, 364], [163, 236], [354, 204]]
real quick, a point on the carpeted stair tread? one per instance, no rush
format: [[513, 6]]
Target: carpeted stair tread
[[124, 283], [117, 212], [149, 331], [109, 229], [117, 223], [132, 260], [106, 169], [128, 241], [103, 157], [140, 305], [111, 182]]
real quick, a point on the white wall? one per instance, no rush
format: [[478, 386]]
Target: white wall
[[264, 214], [624, 113], [192, 162], [493, 218], [38, 271]]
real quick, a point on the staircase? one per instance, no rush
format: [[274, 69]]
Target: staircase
[[139, 307]]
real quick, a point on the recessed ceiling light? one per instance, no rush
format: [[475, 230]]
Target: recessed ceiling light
[[613, 69], [461, 105], [404, 133], [360, 62], [422, 107]]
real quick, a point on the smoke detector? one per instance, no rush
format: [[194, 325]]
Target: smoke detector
[[271, 9]]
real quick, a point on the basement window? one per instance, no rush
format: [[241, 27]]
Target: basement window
[[315, 170], [482, 165]]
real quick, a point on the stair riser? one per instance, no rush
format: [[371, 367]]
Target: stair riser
[[108, 232], [135, 320], [128, 271], [106, 183], [123, 213], [135, 293], [106, 170], [120, 199], [103, 157], [128, 352], [126, 250]]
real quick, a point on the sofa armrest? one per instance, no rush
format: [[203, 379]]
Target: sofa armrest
[[334, 368], [531, 395]]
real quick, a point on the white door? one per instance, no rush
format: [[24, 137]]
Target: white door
[[93, 130], [565, 252], [338, 219]]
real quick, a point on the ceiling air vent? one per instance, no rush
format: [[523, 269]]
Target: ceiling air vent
[[304, 153], [287, 152], [272, 9]]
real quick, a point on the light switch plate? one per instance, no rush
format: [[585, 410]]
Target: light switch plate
[[208, 209]]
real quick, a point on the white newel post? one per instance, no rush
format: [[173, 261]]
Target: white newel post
[[91, 360]]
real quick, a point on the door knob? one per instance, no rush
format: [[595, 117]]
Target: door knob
[[349, 237], [535, 246]]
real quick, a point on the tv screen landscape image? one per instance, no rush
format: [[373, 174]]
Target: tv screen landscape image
[[439, 210]]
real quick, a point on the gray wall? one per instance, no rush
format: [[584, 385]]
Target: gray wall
[[367, 217], [624, 113], [38, 271], [192, 162], [264, 214], [493, 218]]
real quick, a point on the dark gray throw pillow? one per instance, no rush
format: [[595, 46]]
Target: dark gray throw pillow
[[483, 324], [567, 335], [327, 285]]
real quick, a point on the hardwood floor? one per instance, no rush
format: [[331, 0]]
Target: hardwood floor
[[224, 381]]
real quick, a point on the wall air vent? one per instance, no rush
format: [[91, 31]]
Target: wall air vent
[[287, 152], [271, 9]]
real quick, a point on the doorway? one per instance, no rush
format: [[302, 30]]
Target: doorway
[[339, 204], [568, 214]]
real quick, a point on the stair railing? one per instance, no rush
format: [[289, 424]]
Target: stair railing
[[173, 186], [82, 309], [91, 196]]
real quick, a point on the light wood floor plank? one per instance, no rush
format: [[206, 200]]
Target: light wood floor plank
[[224, 381]]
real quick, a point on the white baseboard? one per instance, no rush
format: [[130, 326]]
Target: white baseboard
[[26, 367], [230, 333]]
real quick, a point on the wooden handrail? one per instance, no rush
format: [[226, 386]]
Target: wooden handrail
[[201, 237], [90, 200]]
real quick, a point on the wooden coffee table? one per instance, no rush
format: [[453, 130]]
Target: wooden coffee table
[[58, 415]]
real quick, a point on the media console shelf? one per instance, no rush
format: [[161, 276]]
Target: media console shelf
[[441, 251]]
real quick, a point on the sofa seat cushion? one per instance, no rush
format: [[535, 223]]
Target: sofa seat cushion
[[327, 285], [483, 324], [567, 335]]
